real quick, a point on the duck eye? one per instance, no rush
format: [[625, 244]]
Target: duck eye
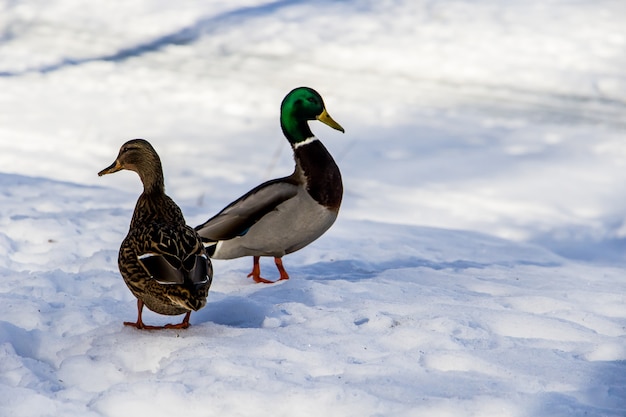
[[311, 100], [128, 148]]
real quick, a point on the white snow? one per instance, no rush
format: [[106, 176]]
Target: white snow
[[477, 265]]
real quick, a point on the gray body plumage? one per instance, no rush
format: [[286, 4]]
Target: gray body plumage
[[292, 225], [280, 216]]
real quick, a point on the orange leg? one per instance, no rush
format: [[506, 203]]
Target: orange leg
[[281, 269], [139, 324], [256, 272], [182, 325]]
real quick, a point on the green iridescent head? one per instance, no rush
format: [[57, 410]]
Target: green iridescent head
[[298, 107]]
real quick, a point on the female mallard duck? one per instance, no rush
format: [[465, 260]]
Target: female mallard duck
[[162, 260], [285, 214]]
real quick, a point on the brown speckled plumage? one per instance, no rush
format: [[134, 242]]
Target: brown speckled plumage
[[158, 229]]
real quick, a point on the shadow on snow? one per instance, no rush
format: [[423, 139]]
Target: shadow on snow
[[182, 36]]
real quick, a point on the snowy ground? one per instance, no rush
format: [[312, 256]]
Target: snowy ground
[[477, 267]]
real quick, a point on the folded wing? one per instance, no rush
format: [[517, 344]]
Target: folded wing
[[240, 215]]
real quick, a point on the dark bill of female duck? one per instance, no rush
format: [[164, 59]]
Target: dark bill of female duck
[[114, 167]]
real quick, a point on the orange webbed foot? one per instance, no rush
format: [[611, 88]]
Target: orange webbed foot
[[256, 273], [281, 269], [139, 324]]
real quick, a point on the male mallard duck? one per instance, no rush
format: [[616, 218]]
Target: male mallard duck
[[285, 214], [162, 260]]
